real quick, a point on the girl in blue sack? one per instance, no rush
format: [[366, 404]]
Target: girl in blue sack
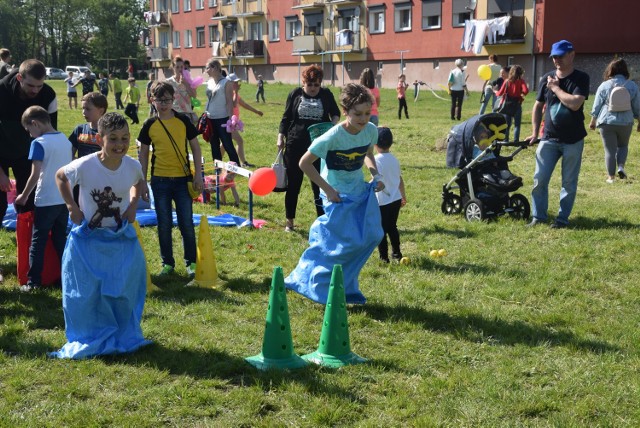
[[104, 274], [350, 229]]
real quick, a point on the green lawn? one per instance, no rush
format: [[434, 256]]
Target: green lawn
[[515, 327]]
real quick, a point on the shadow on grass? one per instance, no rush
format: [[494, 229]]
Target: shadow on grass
[[431, 264], [589, 223], [477, 328], [439, 230], [174, 290]]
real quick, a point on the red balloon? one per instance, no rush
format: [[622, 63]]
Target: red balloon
[[262, 181]]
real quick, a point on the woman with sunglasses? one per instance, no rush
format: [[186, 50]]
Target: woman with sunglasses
[[306, 106]]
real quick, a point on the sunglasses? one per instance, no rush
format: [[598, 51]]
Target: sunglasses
[[314, 85]]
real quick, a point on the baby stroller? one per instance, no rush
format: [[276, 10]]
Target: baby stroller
[[484, 179]]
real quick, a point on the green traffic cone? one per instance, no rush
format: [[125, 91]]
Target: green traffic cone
[[277, 345], [334, 349]]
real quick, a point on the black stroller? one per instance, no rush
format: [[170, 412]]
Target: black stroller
[[484, 180]]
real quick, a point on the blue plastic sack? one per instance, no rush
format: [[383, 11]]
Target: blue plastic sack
[[346, 234], [104, 284]]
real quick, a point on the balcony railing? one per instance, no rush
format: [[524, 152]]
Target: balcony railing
[[158, 54], [514, 32], [155, 19], [309, 44], [249, 48]]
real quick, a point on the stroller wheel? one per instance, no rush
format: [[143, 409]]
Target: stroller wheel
[[451, 204], [474, 211], [519, 207]]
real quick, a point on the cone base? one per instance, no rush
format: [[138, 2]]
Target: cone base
[[333, 361], [202, 283], [263, 363], [151, 287]]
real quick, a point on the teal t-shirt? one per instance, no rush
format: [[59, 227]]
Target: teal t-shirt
[[343, 155]]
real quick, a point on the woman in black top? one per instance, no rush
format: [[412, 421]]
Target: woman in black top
[[305, 106]]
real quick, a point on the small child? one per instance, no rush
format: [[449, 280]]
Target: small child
[[494, 168], [227, 181], [401, 89], [50, 150], [104, 278], [85, 138], [117, 90], [104, 84], [152, 109], [88, 82], [168, 133], [392, 198], [132, 100], [72, 93], [350, 229], [235, 135], [260, 89]]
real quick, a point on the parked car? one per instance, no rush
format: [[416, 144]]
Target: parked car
[[55, 73], [78, 70]]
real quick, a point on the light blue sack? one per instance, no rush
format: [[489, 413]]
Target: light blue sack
[[104, 284], [346, 234]]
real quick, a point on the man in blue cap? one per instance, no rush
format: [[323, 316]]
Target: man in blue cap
[[563, 92]]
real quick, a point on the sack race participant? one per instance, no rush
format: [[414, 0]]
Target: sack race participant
[[351, 228]]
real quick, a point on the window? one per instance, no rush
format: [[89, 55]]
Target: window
[[213, 3], [200, 37], [376, 20], [175, 6], [187, 6], [498, 8], [199, 4], [164, 39], [176, 39], [346, 19], [255, 31], [313, 23], [188, 42], [460, 12], [402, 17], [214, 34], [431, 14], [162, 5], [292, 27], [274, 31], [230, 31]]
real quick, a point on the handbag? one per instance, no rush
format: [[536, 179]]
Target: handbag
[[507, 105], [188, 172], [281, 173], [204, 126]]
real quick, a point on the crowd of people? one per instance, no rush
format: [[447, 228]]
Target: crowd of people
[[99, 185]]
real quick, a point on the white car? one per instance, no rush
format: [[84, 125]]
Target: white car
[[78, 70], [55, 74]]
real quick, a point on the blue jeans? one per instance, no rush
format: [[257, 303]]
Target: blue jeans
[[52, 219], [547, 157], [517, 120], [165, 190], [489, 98]]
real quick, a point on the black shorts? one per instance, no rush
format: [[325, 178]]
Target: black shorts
[[72, 94]]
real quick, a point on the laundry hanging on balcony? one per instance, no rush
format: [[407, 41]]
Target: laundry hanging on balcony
[[344, 38], [477, 30]]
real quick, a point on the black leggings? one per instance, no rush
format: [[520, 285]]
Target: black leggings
[[456, 104], [402, 103], [389, 214], [295, 177]]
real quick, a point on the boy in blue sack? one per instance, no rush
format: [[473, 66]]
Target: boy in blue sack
[[351, 228], [104, 276], [50, 150]]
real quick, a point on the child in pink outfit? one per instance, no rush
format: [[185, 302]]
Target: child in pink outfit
[[401, 89]]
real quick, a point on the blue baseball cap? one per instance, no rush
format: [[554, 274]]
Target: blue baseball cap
[[560, 48]]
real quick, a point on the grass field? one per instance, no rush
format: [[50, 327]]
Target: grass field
[[515, 327]]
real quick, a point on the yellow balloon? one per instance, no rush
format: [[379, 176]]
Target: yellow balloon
[[484, 71]]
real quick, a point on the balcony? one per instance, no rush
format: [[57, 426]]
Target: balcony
[[249, 49], [307, 4], [158, 54], [157, 19], [514, 33], [309, 44]]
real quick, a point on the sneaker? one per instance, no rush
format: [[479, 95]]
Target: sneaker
[[191, 270], [247, 164], [622, 174], [558, 225], [610, 180], [534, 222], [166, 270], [30, 286]]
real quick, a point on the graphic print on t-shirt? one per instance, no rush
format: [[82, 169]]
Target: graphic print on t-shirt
[[346, 159], [104, 200], [310, 109]]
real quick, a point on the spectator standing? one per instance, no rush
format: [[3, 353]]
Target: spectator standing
[[183, 90], [401, 90], [514, 87], [260, 90], [368, 80], [104, 85], [488, 96], [457, 84], [72, 93]]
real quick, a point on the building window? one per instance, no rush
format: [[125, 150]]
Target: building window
[[199, 4], [200, 37], [274, 31], [376, 20], [498, 8], [214, 34], [162, 5], [431, 14], [402, 17], [187, 6], [292, 27], [175, 6], [255, 31], [346, 19], [176, 39], [230, 31], [188, 42], [164, 39], [461, 12], [213, 3], [313, 23]]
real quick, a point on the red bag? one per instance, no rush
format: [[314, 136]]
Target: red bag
[[204, 126], [51, 268]]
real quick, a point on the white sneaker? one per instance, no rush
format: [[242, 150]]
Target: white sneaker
[[610, 180], [191, 270]]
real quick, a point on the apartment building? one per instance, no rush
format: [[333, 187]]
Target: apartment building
[[420, 38]]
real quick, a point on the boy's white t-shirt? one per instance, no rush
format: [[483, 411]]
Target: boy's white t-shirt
[[389, 167], [102, 188], [54, 150], [343, 155]]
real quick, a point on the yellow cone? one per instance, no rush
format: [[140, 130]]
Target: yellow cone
[[206, 270], [150, 286]]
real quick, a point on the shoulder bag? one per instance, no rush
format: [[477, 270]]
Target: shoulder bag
[[507, 105], [281, 173]]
